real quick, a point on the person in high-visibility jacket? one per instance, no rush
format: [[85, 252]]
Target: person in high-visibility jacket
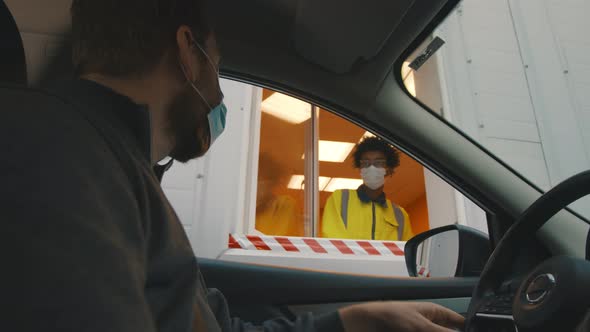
[[365, 213], [276, 213]]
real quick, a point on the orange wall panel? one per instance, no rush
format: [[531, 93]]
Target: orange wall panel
[[418, 212]]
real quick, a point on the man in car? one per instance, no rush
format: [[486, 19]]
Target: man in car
[[365, 213], [89, 241]]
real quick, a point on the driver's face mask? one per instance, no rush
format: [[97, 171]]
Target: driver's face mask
[[217, 114]]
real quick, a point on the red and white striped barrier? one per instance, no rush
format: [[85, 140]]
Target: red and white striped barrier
[[423, 272], [316, 245]]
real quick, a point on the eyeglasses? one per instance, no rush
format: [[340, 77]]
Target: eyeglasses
[[379, 163]]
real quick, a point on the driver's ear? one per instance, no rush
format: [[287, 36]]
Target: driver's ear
[[186, 55]]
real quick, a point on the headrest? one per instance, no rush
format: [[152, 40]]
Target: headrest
[[13, 66]]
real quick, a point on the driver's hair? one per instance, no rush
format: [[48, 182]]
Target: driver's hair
[[122, 38]]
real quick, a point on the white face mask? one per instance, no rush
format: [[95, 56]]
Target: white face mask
[[373, 177]]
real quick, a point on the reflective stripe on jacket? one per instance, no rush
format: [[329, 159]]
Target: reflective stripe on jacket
[[347, 217]]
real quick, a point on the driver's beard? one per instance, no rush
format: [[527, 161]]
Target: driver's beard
[[188, 124]]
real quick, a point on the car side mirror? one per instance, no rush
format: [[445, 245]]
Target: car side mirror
[[449, 251]]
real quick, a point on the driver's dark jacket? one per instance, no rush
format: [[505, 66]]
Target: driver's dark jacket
[[88, 240]]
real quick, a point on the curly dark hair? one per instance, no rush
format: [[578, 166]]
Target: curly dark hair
[[376, 144]]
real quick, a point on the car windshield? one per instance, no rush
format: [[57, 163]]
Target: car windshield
[[515, 77]]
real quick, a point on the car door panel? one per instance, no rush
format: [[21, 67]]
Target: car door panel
[[257, 292]]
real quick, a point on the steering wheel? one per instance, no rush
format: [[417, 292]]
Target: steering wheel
[[554, 296]]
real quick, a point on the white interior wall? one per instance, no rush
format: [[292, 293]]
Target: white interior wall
[[516, 76], [554, 44], [440, 198], [446, 205], [209, 194], [183, 185], [487, 88]]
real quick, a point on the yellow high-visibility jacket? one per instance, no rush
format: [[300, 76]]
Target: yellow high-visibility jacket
[[348, 214], [280, 218]]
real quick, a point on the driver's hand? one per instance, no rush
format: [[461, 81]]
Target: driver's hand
[[400, 317]]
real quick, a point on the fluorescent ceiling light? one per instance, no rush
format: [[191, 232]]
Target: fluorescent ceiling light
[[365, 135], [342, 183], [324, 182], [297, 182], [335, 152], [287, 108]]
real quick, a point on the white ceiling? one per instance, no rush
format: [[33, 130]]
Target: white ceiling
[[41, 16]]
